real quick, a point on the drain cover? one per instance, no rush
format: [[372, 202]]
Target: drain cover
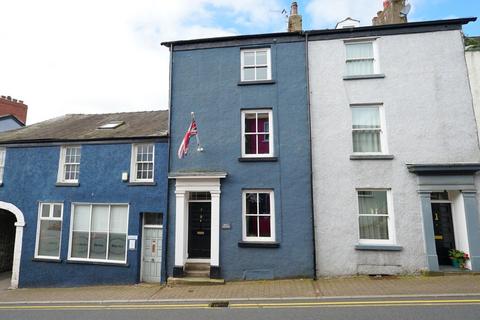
[[219, 304]]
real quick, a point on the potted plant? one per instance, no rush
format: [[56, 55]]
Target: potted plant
[[459, 258]]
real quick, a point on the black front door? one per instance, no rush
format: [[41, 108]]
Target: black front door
[[443, 228], [199, 214]]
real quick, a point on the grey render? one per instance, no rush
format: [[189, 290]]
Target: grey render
[[429, 119]]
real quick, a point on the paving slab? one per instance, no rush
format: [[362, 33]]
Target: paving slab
[[251, 290]]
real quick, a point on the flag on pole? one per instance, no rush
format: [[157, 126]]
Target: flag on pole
[[192, 131]]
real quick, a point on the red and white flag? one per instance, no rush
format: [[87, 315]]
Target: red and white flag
[[192, 131]]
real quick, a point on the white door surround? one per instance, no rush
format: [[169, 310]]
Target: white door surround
[[17, 252], [196, 182]]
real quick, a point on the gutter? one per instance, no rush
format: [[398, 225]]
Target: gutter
[[408, 25]]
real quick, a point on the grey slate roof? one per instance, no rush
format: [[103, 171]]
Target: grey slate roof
[[84, 127]]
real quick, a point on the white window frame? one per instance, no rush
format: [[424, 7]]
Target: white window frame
[[2, 163], [254, 66], [133, 163], [272, 216], [270, 134], [72, 213], [49, 218], [383, 130], [390, 219], [376, 63], [62, 164]]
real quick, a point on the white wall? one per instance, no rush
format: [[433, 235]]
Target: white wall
[[429, 119], [459, 223]]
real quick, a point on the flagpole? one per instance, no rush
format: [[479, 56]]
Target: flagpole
[[199, 146]]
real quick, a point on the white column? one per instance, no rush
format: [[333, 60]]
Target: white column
[[180, 245], [215, 230], [17, 254]]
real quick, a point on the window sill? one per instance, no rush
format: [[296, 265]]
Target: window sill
[[97, 263], [378, 247], [247, 244], [252, 159], [371, 157], [250, 83], [146, 183], [53, 260], [364, 77], [67, 184]]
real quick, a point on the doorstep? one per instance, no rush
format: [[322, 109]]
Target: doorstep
[[194, 281], [450, 271]]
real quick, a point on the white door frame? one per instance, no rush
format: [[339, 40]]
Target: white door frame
[[186, 183], [17, 251]]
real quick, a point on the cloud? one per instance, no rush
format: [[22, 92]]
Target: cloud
[[105, 56], [326, 13]]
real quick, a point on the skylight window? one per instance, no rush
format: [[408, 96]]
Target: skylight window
[[111, 125]]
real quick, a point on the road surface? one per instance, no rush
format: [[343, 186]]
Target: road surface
[[465, 308]]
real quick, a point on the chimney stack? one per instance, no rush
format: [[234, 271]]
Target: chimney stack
[[14, 107], [294, 20], [391, 14]]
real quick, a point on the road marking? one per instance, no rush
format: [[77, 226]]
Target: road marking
[[285, 305], [355, 303]]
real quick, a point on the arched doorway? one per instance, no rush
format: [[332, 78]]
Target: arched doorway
[[12, 222]]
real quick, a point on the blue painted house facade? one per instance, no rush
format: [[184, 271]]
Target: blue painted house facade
[[88, 195], [240, 206]]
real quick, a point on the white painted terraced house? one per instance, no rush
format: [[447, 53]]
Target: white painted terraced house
[[395, 149]]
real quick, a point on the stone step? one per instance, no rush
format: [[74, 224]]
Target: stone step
[[192, 281], [197, 266], [197, 273]]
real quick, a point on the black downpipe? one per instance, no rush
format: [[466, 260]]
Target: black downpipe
[[307, 71], [170, 70]]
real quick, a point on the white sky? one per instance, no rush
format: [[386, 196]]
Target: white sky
[[97, 56]]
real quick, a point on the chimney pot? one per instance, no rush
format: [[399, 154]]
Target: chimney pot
[[294, 8]]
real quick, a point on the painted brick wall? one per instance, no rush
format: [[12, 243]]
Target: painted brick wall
[[206, 81], [101, 167], [14, 107]]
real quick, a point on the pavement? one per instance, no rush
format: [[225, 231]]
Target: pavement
[[5, 278], [301, 289]]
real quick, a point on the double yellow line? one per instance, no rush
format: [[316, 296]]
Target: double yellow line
[[272, 305]]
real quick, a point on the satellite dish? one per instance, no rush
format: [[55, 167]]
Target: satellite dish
[[404, 12]]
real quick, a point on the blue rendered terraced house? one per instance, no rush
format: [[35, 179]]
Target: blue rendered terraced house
[[83, 200], [241, 207]]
